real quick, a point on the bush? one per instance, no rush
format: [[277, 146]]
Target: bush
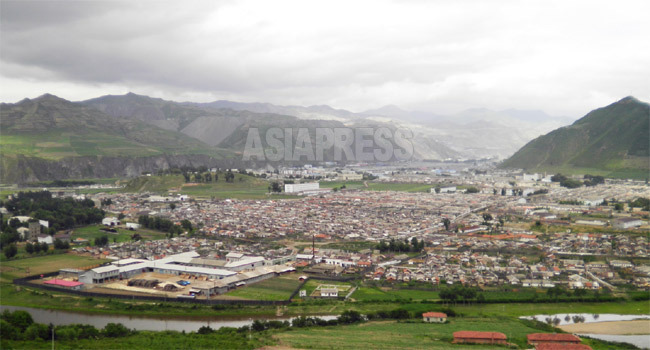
[[205, 330], [114, 330], [9, 332], [19, 319], [37, 331]]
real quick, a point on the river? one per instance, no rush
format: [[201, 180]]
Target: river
[[57, 317]]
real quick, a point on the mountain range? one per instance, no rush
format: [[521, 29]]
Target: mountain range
[[124, 135]]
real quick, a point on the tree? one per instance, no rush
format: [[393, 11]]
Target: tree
[[29, 248], [44, 247], [59, 244], [10, 250], [446, 222], [186, 224], [101, 241], [172, 206], [437, 189], [472, 190], [120, 216], [275, 187]]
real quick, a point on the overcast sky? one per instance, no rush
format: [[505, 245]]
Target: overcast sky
[[563, 57]]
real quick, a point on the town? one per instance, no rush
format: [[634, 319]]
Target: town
[[477, 229]]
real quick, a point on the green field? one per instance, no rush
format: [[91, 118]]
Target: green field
[[398, 335], [377, 186], [221, 339], [123, 235], [377, 294], [44, 264], [278, 288], [242, 187]]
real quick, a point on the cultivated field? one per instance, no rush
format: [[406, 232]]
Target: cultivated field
[[277, 288]]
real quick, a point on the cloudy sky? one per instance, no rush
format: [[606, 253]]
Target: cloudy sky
[[563, 57]]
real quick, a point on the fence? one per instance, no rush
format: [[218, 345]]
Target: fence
[[27, 282]]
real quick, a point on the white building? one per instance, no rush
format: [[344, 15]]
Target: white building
[[625, 223], [45, 239], [132, 226], [329, 292], [297, 188], [110, 221]]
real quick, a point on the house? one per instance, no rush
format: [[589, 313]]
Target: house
[[435, 317], [329, 293], [45, 239], [557, 338], [474, 337], [63, 237], [110, 221], [23, 232], [557, 346], [132, 226]]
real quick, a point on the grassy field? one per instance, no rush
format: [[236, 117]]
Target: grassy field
[[123, 235], [380, 294], [242, 187], [222, 339], [397, 335], [377, 186], [44, 264], [278, 288], [312, 284]]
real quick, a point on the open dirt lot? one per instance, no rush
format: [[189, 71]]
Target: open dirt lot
[[616, 327]]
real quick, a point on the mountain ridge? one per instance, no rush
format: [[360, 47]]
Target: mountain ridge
[[609, 138]]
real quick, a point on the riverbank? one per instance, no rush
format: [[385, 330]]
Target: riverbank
[[28, 297], [615, 327]]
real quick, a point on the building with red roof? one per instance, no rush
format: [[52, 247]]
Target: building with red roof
[[435, 317], [559, 346], [558, 338], [64, 284], [476, 337]]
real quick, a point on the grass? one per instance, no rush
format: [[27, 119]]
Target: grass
[[378, 186], [123, 235], [221, 339], [402, 335], [377, 294], [278, 288], [242, 187], [44, 264]]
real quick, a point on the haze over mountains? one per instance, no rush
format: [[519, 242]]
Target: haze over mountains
[[52, 138], [470, 134]]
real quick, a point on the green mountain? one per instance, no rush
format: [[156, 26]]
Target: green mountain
[[613, 141], [40, 133]]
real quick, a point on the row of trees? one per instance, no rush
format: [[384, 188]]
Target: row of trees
[[61, 213], [207, 177], [19, 325], [588, 180], [460, 293], [161, 224], [401, 246]]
